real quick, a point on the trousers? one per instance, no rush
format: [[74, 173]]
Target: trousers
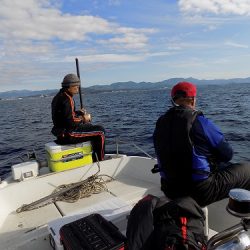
[[216, 187]]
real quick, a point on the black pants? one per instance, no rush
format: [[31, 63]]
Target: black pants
[[87, 132], [216, 187]]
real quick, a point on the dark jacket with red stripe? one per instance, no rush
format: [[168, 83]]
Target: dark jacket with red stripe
[[65, 117]]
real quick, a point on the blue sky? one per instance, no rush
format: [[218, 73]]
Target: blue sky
[[121, 40]]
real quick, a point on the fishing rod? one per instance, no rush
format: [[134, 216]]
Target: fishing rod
[[80, 90]]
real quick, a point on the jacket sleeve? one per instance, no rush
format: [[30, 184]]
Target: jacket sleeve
[[220, 149]]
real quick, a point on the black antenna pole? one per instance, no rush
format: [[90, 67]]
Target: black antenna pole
[[80, 89]]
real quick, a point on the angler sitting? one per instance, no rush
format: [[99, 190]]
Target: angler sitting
[[193, 154], [71, 126]]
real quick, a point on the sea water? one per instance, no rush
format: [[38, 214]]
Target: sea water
[[128, 116]]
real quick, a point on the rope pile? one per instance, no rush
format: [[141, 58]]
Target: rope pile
[[95, 184], [72, 192]]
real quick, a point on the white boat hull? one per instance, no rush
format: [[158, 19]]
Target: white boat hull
[[132, 181], [29, 230]]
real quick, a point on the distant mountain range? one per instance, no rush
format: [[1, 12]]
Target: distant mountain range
[[124, 86]]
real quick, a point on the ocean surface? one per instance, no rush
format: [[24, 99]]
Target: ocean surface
[[128, 116]]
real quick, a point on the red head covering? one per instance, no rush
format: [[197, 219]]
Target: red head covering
[[184, 89]]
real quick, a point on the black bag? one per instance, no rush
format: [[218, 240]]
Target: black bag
[[177, 224]]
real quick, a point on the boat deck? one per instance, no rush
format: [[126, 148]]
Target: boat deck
[[30, 230]]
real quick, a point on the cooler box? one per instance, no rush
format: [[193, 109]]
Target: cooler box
[[65, 157], [93, 232]]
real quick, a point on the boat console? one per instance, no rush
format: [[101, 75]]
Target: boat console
[[238, 236]]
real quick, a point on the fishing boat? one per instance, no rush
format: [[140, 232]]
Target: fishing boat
[[31, 214]]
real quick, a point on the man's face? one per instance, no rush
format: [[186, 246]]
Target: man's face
[[195, 102], [73, 89]]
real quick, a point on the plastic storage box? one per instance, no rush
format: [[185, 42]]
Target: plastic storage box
[[65, 157], [93, 232], [25, 170]]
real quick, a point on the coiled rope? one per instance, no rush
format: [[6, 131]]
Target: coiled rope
[[95, 184], [72, 192]]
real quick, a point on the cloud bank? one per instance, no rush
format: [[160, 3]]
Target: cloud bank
[[237, 7], [35, 34]]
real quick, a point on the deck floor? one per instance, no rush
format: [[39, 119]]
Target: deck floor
[[31, 231]]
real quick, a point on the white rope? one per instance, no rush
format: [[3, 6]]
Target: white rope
[[72, 192]]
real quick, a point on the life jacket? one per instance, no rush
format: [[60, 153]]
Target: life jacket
[[173, 144]]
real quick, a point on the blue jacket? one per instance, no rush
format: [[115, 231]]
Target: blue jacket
[[210, 148], [188, 145]]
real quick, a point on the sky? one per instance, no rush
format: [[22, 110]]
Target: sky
[[121, 40]]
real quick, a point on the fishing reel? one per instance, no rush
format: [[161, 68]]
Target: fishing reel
[[238, 236], [87, 117]]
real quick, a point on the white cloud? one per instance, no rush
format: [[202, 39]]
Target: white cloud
[[26, 48], [128, 39], [35, 20], [36, 37], [40, 21], [157, 54], [114, 58], [199, 19], [236, 45], [237, 7], [114, 2], [111, 58]]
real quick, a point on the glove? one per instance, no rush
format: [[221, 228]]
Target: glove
[[86, 117]]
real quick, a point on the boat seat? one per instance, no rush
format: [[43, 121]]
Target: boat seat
[[133, 189], [21, 227], [125, 188]]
